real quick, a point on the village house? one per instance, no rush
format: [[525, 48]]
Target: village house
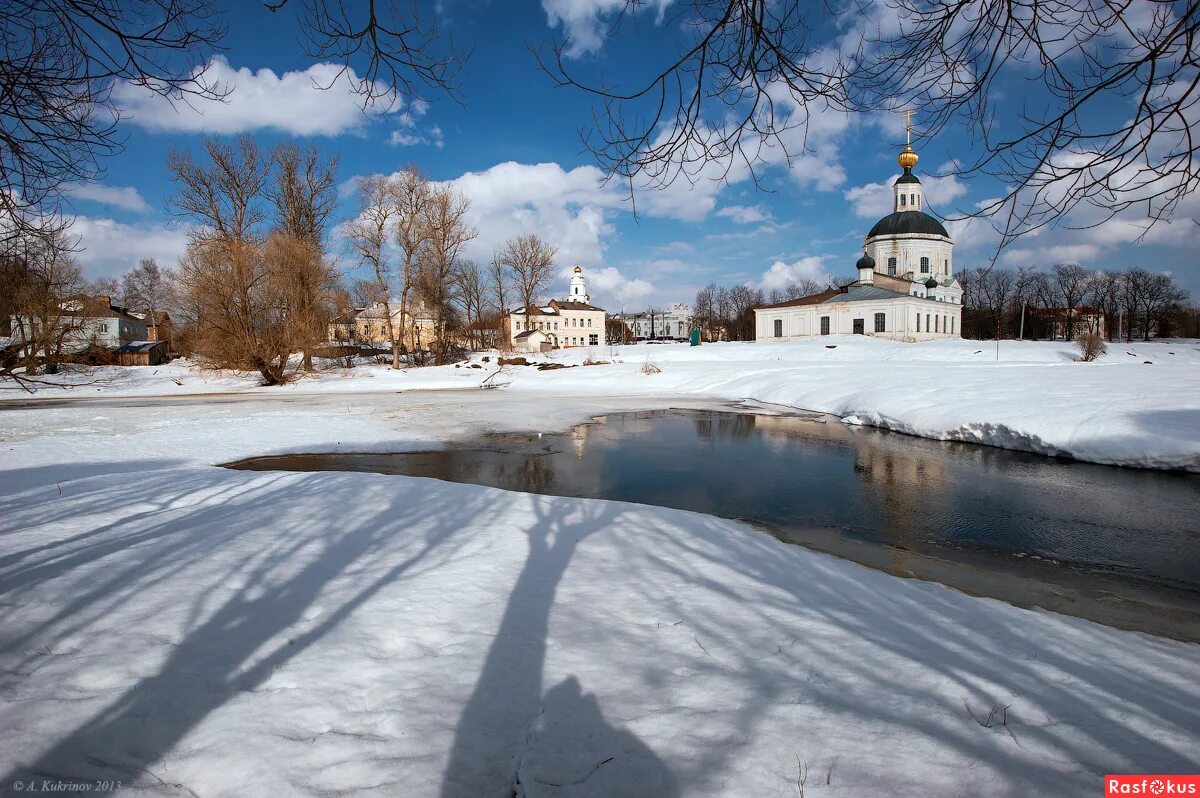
[[559, 324], [86, 322], [368, 327], [905, 291]]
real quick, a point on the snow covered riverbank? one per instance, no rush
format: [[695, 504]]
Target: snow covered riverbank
[[190, 630], [1137, 406]]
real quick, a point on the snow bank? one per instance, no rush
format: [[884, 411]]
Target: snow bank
[[189, 630], [1138, 406]]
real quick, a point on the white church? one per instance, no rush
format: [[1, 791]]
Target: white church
[[905, 291], [559, 324]]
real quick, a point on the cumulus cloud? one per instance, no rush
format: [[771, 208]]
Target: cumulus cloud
[[874, 200], [585, 22], [744, 214], [316, 102], [781, 275], [110, 248], [609, 281], [126, 197], [432, 137], [565, 207]]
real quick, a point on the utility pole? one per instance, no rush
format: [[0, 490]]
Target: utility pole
[[1022, 334]]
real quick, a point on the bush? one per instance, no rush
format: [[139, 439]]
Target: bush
[[650, 368], [1091, 346]]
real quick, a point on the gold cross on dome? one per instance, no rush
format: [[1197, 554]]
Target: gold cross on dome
[[908, 115]]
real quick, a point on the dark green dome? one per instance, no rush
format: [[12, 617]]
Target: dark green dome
[[908, 222], [866, 262]]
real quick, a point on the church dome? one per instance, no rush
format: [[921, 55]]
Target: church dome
[[908, 222], [931, 283], [866, 262]]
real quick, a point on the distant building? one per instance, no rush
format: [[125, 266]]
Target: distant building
[[368, 326], [673, 323], [86, 322], [142, 353], [905, 289], [159, 326], [563, 323], [1073, 322]]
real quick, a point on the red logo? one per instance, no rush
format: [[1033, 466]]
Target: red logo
[[1157, 784]]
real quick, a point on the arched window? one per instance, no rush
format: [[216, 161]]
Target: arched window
[[927, 322], [912, 200], [892, 266], [918, 322], [946, 265], [924, 265]]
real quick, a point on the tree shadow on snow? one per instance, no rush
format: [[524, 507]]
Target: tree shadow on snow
[[259, 622], [513, 741]]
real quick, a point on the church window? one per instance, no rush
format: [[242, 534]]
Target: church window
[[892, 266], [927, 323], [912, 200], [880, 321], [778, 328], [946, 265], [903, 200], [935, 323], [951, 325], [824, 325], [924, 265], [918, 322]]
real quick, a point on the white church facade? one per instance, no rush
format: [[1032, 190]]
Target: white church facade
[[559, 324], [905, 291]]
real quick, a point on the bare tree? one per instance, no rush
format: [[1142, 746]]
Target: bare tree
[[304, 193], [500, 282], [750, 76], [1070, 283], [62, 59], [368, 236], [148, 288], [531, 262], [401, 54], [471, 295], [411, 193], [47, 300], [447, 232], [236, 291]]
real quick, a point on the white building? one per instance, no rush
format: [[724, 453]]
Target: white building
[[569, 322], [84, 322], [674, 322], [905, 291]]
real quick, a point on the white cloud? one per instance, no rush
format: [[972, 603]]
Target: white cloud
[[126, 197], [608, 281], [315, 102], [585, 22], [110, 248], [566, 208], [432, 137], [781, 275], [745, 214], [874, 200]]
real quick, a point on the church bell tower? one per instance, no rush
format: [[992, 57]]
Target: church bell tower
[[578, 289]]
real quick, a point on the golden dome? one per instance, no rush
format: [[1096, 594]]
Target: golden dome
[[578, 270], [907, 158]]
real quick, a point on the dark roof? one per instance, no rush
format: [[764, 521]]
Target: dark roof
[[903, 222], [528, 333], [140, 346], [811, 299], [907, 177], [856, 292], [563, 304], [866, 262]]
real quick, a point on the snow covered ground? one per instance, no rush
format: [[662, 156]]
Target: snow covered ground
[[1138, 406], [189, 630]]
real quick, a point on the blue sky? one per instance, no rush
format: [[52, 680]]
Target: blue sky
[[513, 148]]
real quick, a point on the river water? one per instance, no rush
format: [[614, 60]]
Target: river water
[[1120, 546]]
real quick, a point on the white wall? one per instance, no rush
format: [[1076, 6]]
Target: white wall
[[900, 319]]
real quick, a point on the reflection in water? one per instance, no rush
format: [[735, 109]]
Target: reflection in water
[[886, 499]]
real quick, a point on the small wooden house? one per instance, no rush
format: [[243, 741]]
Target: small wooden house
[[142, 353]]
